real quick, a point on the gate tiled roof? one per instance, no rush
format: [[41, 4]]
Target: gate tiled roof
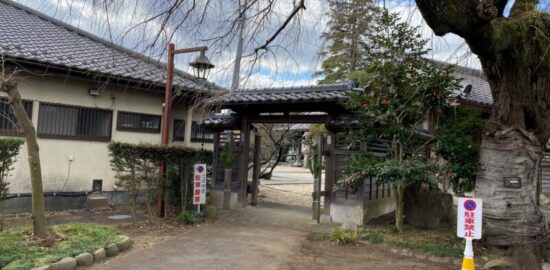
[[300, 94]]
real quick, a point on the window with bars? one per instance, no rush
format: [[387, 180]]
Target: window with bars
[[73, 122], [138, 122], [179, 130], [200, 134], [8, 122]]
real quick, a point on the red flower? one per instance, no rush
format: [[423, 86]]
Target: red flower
[[423, 186], [386, 101], [365, 106], [353, 174], [449, 174]]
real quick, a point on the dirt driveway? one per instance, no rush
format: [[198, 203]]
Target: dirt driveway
[[270, 236]]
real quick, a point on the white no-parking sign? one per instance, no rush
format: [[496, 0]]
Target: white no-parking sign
[[199, 184], [469, 218]]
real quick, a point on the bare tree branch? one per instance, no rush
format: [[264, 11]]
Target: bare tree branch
[[299, 7]]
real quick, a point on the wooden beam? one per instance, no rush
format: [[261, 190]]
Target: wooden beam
[[334, 107], [290, 119], [256, 169]]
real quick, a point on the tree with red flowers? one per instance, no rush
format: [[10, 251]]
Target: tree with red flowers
[[404, 99]]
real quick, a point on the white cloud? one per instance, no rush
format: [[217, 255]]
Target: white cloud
[[297, 47]]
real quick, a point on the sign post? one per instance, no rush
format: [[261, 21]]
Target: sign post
[[469, 221], [199, 185]]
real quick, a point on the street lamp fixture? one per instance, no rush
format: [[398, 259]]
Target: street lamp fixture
[[201, 68]]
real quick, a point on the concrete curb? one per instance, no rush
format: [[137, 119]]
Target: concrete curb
[[123, 243]]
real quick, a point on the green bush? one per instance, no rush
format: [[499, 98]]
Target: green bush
[[179, 181], [455, 141], [9, 149], [137, 167], [342, 236], [188, 217], [226, 156]]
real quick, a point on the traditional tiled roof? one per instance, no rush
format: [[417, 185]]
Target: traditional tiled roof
[[315, 93], [31, 36], [475, 88], [220, 122]]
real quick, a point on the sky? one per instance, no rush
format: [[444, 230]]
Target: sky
[[292, 60]]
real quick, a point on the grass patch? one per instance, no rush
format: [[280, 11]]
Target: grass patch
[[189, 218], [342, 236], [432, 242], [320, 236], [18, 250], [441, 250], [373, 236]]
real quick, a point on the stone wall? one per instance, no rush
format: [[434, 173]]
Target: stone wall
[[427, 209]]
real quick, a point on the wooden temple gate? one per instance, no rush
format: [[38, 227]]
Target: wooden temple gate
[[321, 104]]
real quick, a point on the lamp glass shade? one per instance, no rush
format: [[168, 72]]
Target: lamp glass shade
[[201, 66]]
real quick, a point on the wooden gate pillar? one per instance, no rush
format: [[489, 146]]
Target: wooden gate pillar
[[330, 174], [243, 165], [256, 169], [215, 158]]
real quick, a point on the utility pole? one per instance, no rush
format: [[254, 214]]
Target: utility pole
[[239, 53]]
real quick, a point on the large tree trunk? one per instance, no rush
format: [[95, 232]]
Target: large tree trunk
[[514, 55], [38, 212], [512, 145], [511, 215]]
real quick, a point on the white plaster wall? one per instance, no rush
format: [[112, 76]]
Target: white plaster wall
[[91, 159]]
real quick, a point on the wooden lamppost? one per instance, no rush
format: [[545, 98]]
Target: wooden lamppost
[[201, 69]]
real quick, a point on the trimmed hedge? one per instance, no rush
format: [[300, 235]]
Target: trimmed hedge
[[170, 154], [137, 171]]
